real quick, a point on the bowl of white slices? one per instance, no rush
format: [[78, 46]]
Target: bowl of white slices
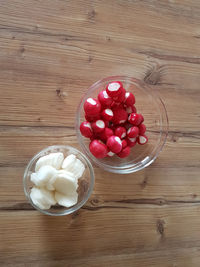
[[58, 180]]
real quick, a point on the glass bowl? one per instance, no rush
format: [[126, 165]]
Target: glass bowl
[[149, 104], [85, 183]]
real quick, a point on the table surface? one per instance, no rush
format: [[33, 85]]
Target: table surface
[[50, 52]]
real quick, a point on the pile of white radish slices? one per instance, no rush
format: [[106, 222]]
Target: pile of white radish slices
[[56, 180]]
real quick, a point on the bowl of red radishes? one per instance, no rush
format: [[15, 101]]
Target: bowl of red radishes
[[121, 124]]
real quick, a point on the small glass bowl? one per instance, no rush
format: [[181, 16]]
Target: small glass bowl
[[85, 183], [149, 104]]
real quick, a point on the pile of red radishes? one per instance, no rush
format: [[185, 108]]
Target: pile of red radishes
[[112, 122]]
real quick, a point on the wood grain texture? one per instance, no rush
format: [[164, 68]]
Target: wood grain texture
[[50, 53]]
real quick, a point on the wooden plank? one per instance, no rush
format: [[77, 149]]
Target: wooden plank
[[51, 72], [111, 235], [32, 140], [168, 179]]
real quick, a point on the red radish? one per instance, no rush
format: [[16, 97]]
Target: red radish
[[127, 125], [131, 141], [142, 139], [107, 114], [93, 137], [105, 99], [125, 152], [106, 123], [98, 149], [129, 99], [114, 143], [121, 97], [105, 134], [116, 105], [135, 118], [142, 128], [141, 118], [120, 131], [114, 88], [86, 129], [133, 132], [124, 143], [120, 116], [98, 126], [110, 154], [92, 118], [131, 109], [92, 106]]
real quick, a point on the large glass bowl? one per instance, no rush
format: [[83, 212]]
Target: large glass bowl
[[150, 105], [85, 183]]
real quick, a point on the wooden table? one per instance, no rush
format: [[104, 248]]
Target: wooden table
[[50, 52]]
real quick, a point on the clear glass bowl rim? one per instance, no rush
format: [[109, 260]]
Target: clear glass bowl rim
[[141, 165], [67, 210]]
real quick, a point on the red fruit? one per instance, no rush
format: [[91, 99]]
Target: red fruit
[[125, 152], [121, 97], [98, 149], [142, 128], [114, 89], [106, 134], [124, 143], [129, 99], [120, 116], [107, 114], [141, 118], [127, 125], [92, 106], [92, 118], [106, 123], [133, 132], [131, 141], [135, 118], [131, 109], [86, 129], [142, 139], [114, 143], [116, 105], [105, 99], [98, 126], [121, 132]]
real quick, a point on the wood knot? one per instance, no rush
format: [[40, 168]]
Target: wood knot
[[90, 58], [161, 201], [174, 138], [144, 182], [160, 227], [91, 14], [153, 76], [22, 50], [60, 93], [94, 201]]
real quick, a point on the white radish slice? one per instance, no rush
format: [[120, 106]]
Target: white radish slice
[[91, 101], [53, 159], [113, 87], [78, 169], [66, 200], [42, 198], [42, 177], [50, 183], [64, 184], [110, 154], [69, 162]]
